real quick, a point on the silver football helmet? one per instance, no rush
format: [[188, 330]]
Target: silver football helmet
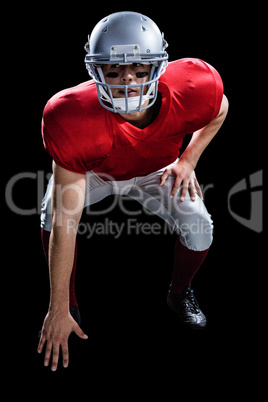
[[126, 38]]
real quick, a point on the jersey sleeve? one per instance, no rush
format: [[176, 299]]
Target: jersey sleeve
[[217, 83], [197, 91], [64, 142], [59, 143], [208, 90]]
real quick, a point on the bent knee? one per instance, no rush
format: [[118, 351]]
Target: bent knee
[[194, 224], [197, 234]]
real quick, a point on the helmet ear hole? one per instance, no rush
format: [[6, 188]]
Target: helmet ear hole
[[86, 47]]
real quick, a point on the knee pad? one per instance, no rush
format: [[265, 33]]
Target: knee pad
[[194, 224]]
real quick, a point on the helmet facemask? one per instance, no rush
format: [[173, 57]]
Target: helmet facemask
[[126, 104]]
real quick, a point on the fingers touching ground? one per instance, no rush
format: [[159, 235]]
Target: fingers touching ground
[[52, 351], [55, 344]]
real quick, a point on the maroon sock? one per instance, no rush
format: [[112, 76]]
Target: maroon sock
[[45, 242], [186, 264]]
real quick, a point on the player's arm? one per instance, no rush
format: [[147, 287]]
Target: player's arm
[[184, 169], [67, 206]]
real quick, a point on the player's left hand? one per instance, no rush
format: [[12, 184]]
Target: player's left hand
[[184, 175]]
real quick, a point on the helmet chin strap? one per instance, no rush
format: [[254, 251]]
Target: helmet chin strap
[[133, 102]]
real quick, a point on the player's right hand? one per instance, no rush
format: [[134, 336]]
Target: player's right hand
[[56, 330]]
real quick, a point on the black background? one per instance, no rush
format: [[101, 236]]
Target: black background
[[134, 339]]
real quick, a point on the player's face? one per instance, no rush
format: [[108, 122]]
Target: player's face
[[136, 73]]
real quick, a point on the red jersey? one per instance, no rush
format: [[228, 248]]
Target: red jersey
[[80, 135]]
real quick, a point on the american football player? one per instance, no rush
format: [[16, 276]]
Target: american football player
[[121, 133]]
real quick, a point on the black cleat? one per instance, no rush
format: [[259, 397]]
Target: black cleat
[[187, 308]]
